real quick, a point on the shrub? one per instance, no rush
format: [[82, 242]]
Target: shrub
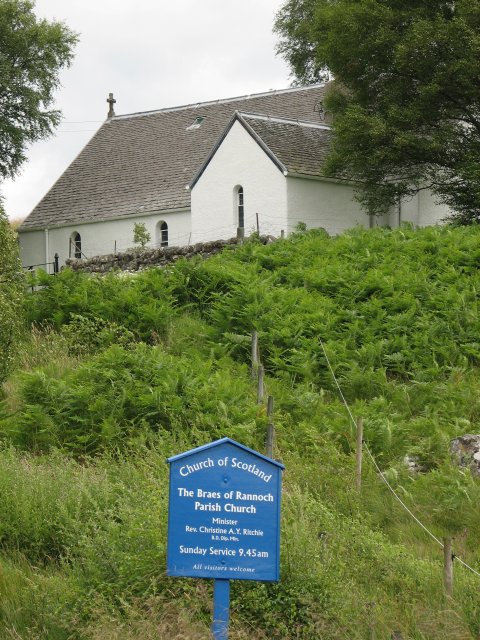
[[88, 335], [11, 296], [140, 234], [140, 303], [122, 395]]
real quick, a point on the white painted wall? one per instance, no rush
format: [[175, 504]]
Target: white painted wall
[[32, 248], [320, 203], [100, 238], [280, 202], [407, 211], [429, 211], [238, 161], [420, 210]]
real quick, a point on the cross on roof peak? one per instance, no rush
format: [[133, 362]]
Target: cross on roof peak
[[111, 101]]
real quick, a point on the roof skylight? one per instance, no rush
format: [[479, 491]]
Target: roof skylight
[[196, 124]]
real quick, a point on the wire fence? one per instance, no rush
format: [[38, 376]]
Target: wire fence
[[382, 475], [175, 239]]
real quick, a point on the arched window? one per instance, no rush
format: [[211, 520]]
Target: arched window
[[75, 247], [240, 208], [162, 233]]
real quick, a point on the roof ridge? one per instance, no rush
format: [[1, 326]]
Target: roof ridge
[[279, 119], [140, 114]]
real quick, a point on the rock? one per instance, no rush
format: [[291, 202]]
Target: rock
[[413, 464], [465, 451], [208, 246]]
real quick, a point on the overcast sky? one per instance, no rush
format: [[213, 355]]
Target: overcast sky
[[151, 54]]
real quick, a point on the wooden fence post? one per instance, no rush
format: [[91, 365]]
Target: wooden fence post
[[448, 567], [260, 387], [358, 453], [371, 620], [270, 428], [254, 353]]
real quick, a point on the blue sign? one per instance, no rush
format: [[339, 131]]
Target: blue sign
[[224, 513]]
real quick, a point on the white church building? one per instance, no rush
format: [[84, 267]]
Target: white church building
[[199, 172]]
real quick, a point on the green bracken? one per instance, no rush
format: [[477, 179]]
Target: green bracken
[[136, 368]]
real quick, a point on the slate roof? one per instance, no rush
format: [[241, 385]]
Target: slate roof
[[300, 146], [141, 163], [297, 147]]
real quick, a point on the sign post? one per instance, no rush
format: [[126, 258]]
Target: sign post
[[221, 609], [224, 519]]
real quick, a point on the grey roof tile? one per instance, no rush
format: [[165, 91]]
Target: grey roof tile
[[142, 162], [300, 147]]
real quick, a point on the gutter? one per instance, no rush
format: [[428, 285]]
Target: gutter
[[74, 223], [291, 174]]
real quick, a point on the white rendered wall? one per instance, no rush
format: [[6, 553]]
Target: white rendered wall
[[319, 203], [32, 248], [420, 210], [100, 238], [409, 211], [429, 211], [239, 161]]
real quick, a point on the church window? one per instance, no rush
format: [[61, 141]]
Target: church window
[[162, 233], [75, 245], [240, 208]]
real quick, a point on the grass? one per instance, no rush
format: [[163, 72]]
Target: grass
[[120, 373]]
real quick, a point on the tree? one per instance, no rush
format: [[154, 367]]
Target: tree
[[140, 234], [11, 294], [405, 95], [32, 52]]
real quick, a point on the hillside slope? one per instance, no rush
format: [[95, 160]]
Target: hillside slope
[[120, 372]]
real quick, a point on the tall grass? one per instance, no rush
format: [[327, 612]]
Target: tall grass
[[84, 547], [121, 372]]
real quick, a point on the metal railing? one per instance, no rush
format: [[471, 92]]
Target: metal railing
[[54, 264]]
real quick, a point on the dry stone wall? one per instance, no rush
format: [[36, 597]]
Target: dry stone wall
[[138, 259]]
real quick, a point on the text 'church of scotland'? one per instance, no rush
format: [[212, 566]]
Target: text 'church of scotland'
[[198, 172]]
